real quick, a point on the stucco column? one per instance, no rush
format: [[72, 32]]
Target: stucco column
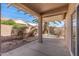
[[71, 9], [40, 30]]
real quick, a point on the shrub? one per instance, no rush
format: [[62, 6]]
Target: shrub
[[7, 22], [19, 30], [11, 22], [19, 26]]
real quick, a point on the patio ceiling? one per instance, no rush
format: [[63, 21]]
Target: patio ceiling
[[48, 9], [45, 10], [44, 7]]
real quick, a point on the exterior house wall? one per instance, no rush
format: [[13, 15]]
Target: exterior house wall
[[71, 9]]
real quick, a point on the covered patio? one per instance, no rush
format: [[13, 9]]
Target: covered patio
[[46, 12], [49, 47]]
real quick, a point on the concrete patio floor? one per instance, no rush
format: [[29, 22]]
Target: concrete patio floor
[[49, 47]]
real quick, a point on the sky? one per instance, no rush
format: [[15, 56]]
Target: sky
[[14, 13]]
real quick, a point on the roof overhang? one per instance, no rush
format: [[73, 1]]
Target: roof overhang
[[48, 11]]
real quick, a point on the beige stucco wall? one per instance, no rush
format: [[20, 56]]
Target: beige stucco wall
[[6, 30], [71, 9]]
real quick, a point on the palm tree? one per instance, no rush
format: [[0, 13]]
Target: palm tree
[[35, 21], [46, 27], [58, 32], [32, 30]]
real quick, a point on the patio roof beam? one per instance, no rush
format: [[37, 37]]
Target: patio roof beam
[[53, 18], [26, 9]]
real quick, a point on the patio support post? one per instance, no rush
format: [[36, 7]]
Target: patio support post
[[40, 30]]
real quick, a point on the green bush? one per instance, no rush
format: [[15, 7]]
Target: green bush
[[7, 22], [19, 26], [14, 24]]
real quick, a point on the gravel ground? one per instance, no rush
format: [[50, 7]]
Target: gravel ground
[[12, 44]]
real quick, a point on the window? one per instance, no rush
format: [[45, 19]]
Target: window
[[73, 33]]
